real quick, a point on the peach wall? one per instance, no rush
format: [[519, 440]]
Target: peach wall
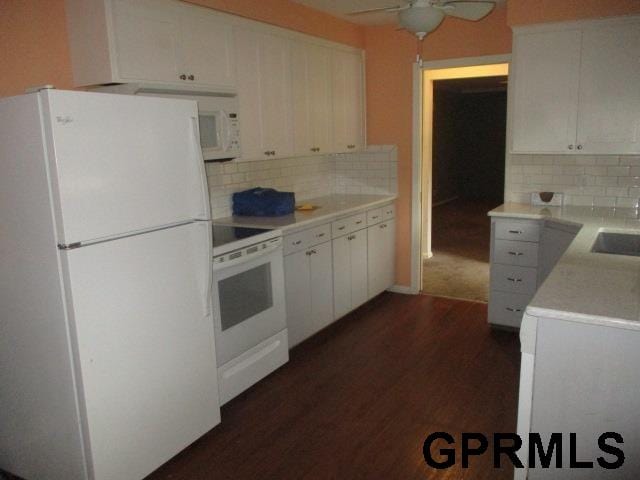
[[33, 45], [522, 12], [390, 58]]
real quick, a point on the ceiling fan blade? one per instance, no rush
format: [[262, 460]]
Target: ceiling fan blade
[[466, 10], [381, 9]]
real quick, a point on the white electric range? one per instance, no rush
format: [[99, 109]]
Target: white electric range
[[249, 306]]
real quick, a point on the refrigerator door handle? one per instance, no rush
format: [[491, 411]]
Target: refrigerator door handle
[[207, 262], [199, 159]]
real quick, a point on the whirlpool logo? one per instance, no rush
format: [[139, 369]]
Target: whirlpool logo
[[507, 446]]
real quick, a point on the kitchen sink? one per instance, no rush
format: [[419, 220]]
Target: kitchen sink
[[617, 243]]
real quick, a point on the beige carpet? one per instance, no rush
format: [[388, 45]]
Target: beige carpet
[[459, 267]]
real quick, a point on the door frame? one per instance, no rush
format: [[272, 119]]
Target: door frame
[[421, 165]]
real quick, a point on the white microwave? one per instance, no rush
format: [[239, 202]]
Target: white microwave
[[217, 111]]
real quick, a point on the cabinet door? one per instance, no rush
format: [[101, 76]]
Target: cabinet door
[[609, 106], [311, 87], [346, 73], [206, 48], [146, 36], [546, 73], [359, 284], [321, 283], [341, 276], [381, 257], [298, 295], [264, 94]]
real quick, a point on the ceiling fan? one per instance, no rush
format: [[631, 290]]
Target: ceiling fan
[[423, 16]]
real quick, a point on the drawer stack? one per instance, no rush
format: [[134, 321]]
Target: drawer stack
[[514, 269]]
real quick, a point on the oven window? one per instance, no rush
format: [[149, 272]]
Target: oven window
[[208, 130], [244, 295]]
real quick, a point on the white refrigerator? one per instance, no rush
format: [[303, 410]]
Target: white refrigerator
[[107, 361]]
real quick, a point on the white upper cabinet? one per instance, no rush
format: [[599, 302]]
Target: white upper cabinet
[[546, 73], [207, 47], [298, 95], [609, 105], [151, 41], [312, 112], [146, 41], [576, 88], [264, 94], [348, 99]]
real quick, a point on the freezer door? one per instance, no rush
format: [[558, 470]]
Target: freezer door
[[140, 310], [122, 163]]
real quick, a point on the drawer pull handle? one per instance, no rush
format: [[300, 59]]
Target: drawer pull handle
[[517, 232], [374, 217], [513, 309], [358, 222], [516, 254], [311, 252], [515, 280], [297, 242], [351, 237], [320, 235], [341, 228]]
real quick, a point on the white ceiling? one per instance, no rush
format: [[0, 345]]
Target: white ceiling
[[340, 8]]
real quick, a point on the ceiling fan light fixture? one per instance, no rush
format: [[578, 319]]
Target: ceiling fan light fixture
[[420, 21]]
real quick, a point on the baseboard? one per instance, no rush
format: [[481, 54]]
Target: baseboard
[[404, 289]]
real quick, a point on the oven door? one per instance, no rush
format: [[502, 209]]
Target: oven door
[[249, 303]]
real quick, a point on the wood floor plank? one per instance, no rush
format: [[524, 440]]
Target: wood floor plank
[[358, 399]]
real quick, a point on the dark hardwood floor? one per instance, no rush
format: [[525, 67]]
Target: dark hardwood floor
[[358, 399]]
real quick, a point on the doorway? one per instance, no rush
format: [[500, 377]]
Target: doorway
[[463, 176]]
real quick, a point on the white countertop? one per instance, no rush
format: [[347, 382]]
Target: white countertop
[[331, 207], [587, 287]]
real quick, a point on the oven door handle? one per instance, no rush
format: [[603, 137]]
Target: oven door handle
[[247, 258]]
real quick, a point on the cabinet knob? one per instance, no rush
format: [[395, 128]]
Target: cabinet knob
[[579, 147], [191, 77], [183, 77], [570, 147]]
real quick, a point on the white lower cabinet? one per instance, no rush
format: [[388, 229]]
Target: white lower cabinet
[[350, 285], [333, 268], [381, 257], [309, 291], [523, 253]]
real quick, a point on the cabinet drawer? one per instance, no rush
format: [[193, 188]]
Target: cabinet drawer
[[507, 308], [374, 216], [510, 278], [388, 212], [513, 230], [348, 225], [523, 254], [307, 238]]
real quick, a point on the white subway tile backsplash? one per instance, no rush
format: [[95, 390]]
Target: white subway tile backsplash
[[373, 171], [591, 180]]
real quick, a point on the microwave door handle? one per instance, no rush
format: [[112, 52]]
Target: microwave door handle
[[205, 211]]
